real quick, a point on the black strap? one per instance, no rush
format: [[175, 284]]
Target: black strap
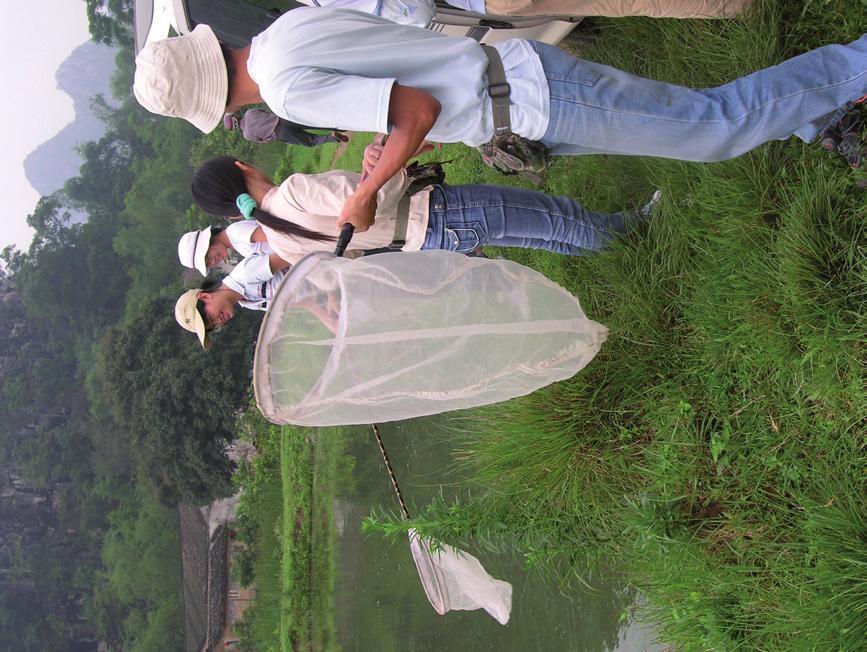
[[499, 90], [400, 224]]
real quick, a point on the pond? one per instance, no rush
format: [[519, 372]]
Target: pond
[[380, 604]]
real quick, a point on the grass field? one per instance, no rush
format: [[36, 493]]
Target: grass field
[[716, 445], [286, 515]]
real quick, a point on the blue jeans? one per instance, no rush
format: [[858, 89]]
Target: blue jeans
[[465, 217], [599, 109]]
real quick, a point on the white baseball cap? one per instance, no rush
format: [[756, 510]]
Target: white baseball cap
[[189, 317], [184, 77], [192, 248]]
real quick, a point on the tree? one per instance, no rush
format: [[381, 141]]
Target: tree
[[51, 220], [110, 21], [178, 401], [105, 176], [72, 278], [136, 597], [156, 205]]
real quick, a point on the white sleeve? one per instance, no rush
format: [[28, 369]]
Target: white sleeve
[[239, 234], [250, 271], [326, 99]]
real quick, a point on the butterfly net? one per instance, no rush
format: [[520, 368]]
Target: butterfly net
[[401, 335], [454, 580]]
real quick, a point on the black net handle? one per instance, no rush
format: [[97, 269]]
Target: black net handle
[[343, 239], [390, 470]]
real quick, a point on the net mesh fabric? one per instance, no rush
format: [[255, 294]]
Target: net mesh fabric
[[455, 580], [402, 335]]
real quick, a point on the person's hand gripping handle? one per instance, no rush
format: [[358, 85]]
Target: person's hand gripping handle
[[343, 239]]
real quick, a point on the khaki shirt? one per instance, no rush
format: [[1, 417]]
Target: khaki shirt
[[314, 201]]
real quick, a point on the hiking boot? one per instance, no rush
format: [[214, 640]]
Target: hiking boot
[[844, 136]]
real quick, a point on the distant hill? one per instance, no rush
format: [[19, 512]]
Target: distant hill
[[86, 73]]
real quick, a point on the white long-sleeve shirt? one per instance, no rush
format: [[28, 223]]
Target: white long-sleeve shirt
[[253, 279]]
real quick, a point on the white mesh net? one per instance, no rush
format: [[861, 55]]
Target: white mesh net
[[402, 335], [455, 580]]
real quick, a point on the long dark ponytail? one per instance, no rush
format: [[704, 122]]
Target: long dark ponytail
[[217, 184]]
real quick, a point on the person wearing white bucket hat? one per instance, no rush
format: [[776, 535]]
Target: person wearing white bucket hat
[[360, 72], [211, 246], [184, 77]]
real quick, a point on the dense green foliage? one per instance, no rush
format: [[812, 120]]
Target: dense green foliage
[[285, 517], [140, 577], [259, 527], [178, 401], [109, 410]]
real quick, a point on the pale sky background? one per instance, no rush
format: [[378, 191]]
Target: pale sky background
[[37, 37]]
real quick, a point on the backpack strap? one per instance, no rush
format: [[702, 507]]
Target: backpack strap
[[499, 90]]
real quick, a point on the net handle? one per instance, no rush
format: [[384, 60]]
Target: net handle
[[429, 574], [344, 238], [390, 470]]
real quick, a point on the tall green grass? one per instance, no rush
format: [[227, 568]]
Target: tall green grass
[[308, 468], [285, 516], [260, 526], [296, 473], [715, 448]]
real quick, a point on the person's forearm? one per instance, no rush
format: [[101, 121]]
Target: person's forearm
[[412, 113], [402, 144]]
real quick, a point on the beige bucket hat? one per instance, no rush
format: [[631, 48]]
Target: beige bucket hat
[[192, 249], [190, 318], [184, 77]]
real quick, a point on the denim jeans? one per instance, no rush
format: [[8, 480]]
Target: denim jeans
[[599, 109], [465, 217]]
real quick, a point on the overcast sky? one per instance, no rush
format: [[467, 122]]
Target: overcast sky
[[37, 37]]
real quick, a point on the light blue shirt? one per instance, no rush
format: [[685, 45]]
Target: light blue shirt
[[469, 5], [406, 12], [336, 67]]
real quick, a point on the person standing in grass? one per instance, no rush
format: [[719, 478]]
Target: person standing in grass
[[298, 216], [360, 72], [422, 12]]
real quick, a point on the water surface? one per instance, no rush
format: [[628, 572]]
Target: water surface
[[380, 604]]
